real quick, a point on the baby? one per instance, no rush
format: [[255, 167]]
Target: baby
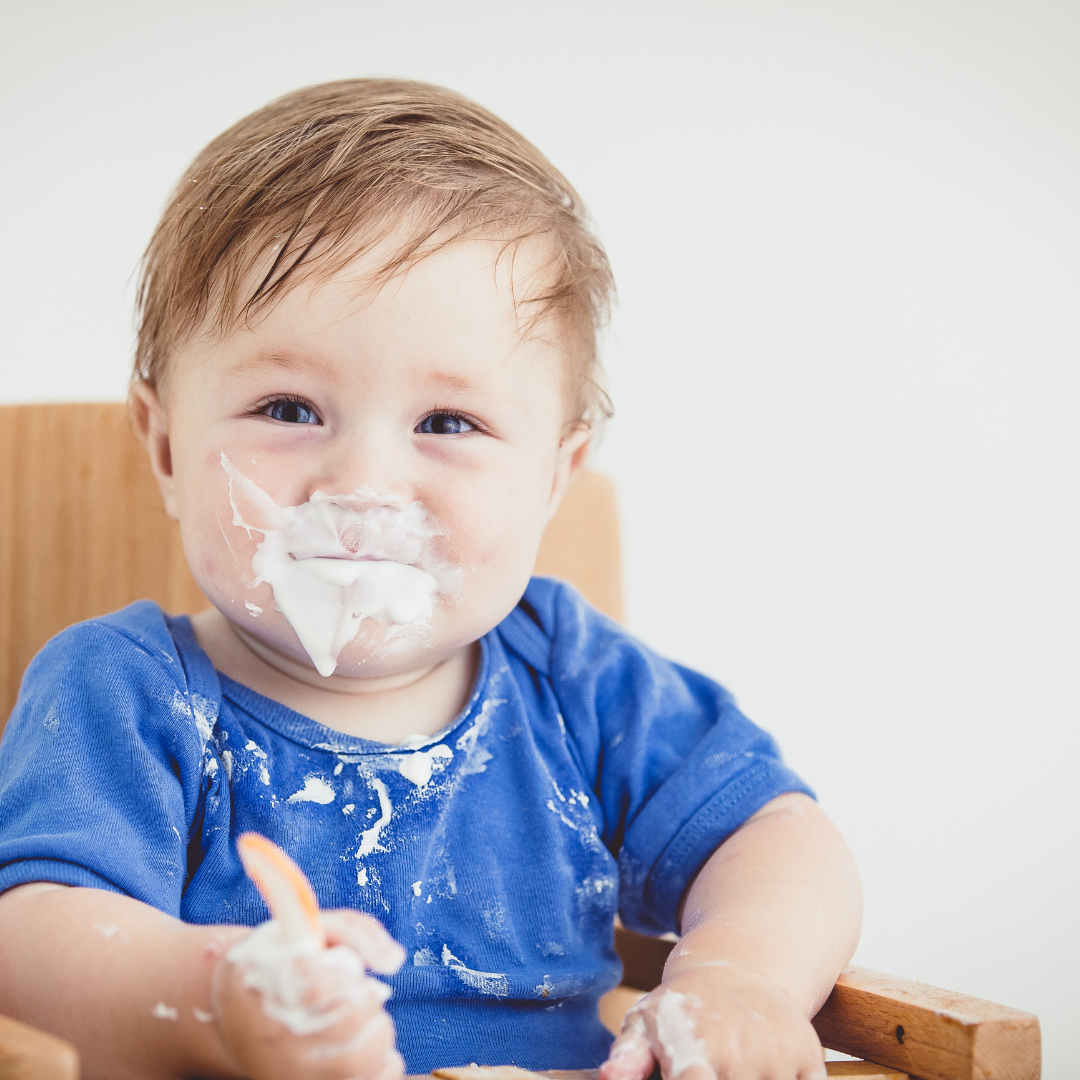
[[366, 375]]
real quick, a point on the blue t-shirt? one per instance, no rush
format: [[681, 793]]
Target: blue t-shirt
[[586, 775]]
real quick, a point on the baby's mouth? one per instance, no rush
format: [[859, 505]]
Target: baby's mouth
[[348, 558], [337, 560], [367, 557]]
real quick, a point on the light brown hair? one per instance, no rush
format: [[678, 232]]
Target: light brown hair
[[321, 175]]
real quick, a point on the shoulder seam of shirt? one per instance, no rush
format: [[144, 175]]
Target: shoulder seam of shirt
[[524, 637], [531, 617], [153, 652]]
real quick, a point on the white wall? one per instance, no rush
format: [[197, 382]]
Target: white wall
[[847, 236]]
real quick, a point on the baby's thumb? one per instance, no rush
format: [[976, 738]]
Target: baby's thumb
[[366, 936]]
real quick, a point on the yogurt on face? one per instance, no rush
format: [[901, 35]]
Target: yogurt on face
[[337, 560]]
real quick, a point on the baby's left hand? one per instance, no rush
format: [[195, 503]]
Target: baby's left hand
[[716, 1022]]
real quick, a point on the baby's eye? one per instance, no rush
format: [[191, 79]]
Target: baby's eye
[[444, 423], [290, 412]]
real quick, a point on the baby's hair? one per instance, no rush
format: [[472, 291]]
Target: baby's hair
[[320, 176]]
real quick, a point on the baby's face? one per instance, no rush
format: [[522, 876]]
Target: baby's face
[[435, 432]]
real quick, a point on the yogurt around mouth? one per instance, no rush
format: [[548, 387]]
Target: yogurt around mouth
[[337, 560]]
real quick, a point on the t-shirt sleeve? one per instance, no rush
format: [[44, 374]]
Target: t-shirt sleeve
[[676, 766], [101, 766]]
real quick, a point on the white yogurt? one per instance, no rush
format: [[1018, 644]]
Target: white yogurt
[[337, 560]]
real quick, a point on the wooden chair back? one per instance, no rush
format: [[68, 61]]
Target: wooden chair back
[[83, 531]]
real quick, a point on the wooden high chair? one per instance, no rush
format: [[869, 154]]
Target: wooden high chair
[[83, 532]]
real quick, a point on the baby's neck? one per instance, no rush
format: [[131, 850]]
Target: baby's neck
[[387, 709]]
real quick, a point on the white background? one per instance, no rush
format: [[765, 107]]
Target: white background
[[845, 362]]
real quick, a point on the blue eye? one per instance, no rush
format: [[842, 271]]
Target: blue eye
[[291, 412], [444, 423]]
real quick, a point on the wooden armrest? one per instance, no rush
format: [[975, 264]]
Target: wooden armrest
[[929, 1032], [29, 1054]]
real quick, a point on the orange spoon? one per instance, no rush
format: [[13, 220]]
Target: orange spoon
[[283, 886]]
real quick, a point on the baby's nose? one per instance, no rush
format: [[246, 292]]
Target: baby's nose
[[371, 463]]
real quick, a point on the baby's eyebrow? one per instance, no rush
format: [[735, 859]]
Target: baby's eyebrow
[[283, 361], [441, 382], [449, 381]]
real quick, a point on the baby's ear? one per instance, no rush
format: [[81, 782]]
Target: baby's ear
[[573, 453], [150, 423]]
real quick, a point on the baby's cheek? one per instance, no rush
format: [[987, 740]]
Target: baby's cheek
[[496, 561], [218, 579], [493, 579]]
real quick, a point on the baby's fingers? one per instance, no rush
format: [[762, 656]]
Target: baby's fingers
[[669, 1020], [337, 975], [813, 1067], [393, 1067], [365, 936], [363, 1048], [631, 1056], [370, 1037]]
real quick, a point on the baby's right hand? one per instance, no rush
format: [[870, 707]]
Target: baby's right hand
[[287, 1012]]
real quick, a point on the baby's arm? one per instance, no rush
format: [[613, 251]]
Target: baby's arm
[[144, 995], [768, 925]]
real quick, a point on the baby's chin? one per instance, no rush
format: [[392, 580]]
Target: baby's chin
[[379, 649]]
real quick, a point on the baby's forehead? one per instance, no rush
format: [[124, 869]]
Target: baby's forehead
[[517, 275], [470, 300], [450, 326]]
